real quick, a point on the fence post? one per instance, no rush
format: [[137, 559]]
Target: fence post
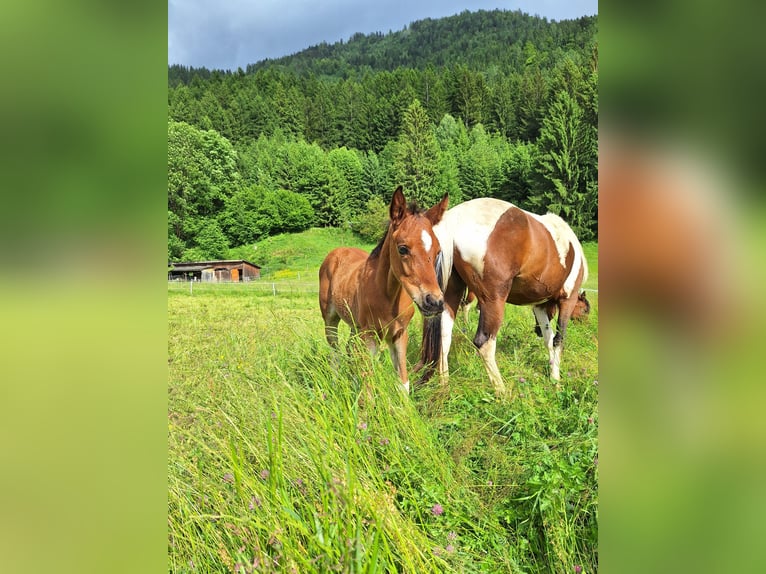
[[191, 286], [274, 289]]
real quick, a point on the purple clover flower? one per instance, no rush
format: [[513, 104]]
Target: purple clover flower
[[437, 509]]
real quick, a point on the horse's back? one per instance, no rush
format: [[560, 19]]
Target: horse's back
[[340, 258], [466, 229], [500, 243], [337, 276]]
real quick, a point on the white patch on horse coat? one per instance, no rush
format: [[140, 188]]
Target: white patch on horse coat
[[563, 236], [427, 242], [557, 228], [476, 220]]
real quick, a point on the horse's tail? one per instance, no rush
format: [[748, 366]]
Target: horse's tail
[[431, 349]]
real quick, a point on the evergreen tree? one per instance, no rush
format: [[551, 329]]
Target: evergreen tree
[[416, 157], [480, 166], [566, 149], [348, 196], [518, 174]]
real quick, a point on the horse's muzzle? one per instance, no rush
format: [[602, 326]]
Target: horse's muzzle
[[431, 305]]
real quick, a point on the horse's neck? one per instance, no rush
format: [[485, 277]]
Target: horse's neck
[[385, 281]]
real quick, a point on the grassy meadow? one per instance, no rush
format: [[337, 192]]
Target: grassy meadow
[[285, 458]]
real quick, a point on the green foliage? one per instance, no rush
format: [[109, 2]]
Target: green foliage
[[566, 155], [241, 219], [480, 166], [416, 157], [202, 175], [370, 225], [284, 211], [348, 194], [211, 243], [518, 177]]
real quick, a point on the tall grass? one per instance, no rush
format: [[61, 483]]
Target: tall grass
[[285, 457]]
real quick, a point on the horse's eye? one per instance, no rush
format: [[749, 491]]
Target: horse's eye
[[403, 250]]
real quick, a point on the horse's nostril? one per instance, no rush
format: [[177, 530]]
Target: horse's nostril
[[432, 302]]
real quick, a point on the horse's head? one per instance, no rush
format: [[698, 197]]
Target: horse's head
[[414, 251], [582, 308]]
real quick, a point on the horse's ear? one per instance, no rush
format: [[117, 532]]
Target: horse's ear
[[435, 214], [398, 206]]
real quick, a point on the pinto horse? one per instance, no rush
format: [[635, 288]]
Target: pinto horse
[[504, 254], [374, 293]]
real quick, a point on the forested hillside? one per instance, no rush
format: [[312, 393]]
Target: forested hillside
[[494, 103]]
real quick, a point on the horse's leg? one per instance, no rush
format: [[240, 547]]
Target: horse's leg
[[550, 309], [538, 329], [566, 309], [490, 318], [331, 329], [330, 316], [544, 323], [398, 352], [452, 297]]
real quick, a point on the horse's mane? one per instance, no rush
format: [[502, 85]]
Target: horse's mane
[[376, 252], [412, 209]]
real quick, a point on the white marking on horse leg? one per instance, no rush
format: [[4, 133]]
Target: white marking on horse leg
[[447, 324], [545, 326], [427, 241], [556, 363], [406, 387], [547, 331], [487, 352]]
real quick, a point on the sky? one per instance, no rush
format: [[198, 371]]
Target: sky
[[230, 34]]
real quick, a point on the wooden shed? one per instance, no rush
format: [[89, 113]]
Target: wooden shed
[[224, 271]]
